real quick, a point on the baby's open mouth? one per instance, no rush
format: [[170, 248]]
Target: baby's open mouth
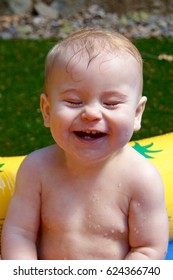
[[89, 134]]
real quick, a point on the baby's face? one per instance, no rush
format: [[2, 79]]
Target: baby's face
[[91, 109]]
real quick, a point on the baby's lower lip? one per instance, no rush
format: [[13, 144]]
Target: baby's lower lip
[[89, 137]]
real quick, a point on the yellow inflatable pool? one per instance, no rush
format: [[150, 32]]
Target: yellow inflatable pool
[[159, 150], [8, 169]]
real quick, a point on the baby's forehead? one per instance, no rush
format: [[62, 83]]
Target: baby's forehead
[[77, 66]]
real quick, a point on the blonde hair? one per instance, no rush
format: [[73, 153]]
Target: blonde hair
[[90, 41]]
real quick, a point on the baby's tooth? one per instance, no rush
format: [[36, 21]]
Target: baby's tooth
[[90, 131]]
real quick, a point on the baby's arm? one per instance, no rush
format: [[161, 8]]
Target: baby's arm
[[19, 235], [148, 220]]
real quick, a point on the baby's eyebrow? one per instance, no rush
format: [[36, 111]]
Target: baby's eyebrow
[[69, 91], [117, 94]]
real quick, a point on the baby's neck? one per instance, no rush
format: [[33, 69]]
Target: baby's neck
[[89, 168], [82, 169]]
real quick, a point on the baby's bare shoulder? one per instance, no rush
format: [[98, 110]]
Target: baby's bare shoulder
[[39, 157], [139, 162], [36, 163], [144, 176]]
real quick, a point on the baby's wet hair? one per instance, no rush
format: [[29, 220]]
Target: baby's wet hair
[[90, 42]]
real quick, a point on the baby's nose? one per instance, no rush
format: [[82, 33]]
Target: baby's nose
[[91, 113]]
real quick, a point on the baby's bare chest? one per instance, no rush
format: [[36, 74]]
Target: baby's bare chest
[[98, 209]]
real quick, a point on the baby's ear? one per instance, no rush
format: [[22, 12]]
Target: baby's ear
[[45, 109], [139, 111]]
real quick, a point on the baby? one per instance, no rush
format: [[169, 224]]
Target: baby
[[90, 196]]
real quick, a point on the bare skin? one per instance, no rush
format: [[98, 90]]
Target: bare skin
[[91, 219], [89, 197]]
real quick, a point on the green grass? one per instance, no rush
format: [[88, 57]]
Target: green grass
[[22, 80], [158, 87]]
